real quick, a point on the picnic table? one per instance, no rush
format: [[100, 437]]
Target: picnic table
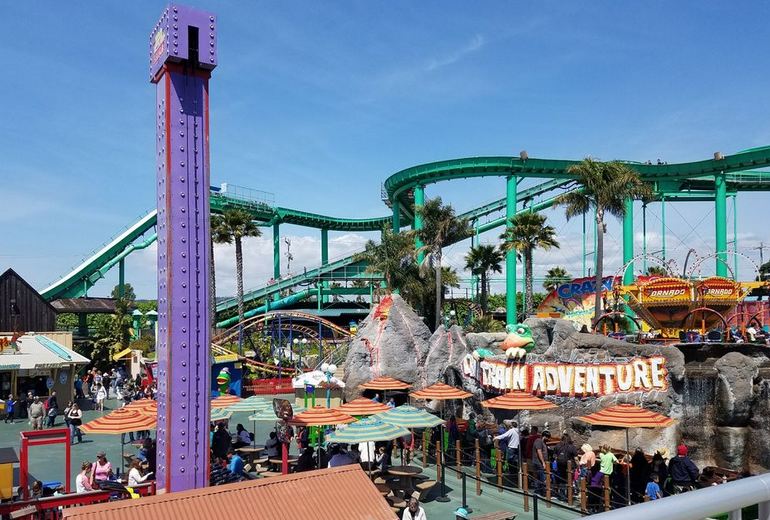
[[406, 475], [251, 452]]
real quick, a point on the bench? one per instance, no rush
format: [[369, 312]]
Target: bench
[[396, 502], [384, 489], [424, 488], [497, 515], [270, 474]]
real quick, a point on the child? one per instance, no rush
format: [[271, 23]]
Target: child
[[653, 489]]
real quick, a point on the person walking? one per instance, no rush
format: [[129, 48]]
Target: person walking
[[566, 452], [10, 405], [75, 418], [511, 440], [682, 470], [539, 460], [36, 413], [52, 406], [101, 395]]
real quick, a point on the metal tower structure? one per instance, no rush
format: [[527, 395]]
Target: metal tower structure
[[182, 56]]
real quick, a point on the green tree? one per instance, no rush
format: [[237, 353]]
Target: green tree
[[555, 277], [390, 258], [128, 292], [604, 188], [764, 271], [441, 227], [236, 225], [657, 270], [528, 232], [481, 260]]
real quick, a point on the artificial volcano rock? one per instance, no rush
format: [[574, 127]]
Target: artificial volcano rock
[[392, 341]]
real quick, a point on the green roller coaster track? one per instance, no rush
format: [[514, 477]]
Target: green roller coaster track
[[711, 180]]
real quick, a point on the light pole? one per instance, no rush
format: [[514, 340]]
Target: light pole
[[328, 371], [297, 342]]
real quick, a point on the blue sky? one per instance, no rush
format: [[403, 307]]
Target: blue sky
[[318, 102]]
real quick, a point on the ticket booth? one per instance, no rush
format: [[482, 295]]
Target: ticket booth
[[7, 459]]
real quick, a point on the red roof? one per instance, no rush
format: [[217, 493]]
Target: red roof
[[342, 492]]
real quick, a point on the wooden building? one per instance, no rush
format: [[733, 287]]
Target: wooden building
[[22, 308]]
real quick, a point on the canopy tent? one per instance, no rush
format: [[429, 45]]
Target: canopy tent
[[362, 406], [627, 416]]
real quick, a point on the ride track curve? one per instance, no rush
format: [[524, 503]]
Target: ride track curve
[[699, 180]]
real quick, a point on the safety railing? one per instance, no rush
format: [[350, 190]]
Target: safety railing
[[728, 498]]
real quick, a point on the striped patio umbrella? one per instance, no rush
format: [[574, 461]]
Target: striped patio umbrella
[[250, 404], [145, 406], [268, 414], [224, 401], [321, 416], [220, 414], [440, 391], [368, 429], [362, 406], [627, 416], [385, 383], [518, 401], [410, 417], [118, 421]]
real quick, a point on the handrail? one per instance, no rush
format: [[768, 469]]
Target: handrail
[[702, 503]]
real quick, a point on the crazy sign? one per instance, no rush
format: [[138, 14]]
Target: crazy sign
[[570, 379]]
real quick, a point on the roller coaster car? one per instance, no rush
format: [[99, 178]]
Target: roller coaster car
[[676, 304]]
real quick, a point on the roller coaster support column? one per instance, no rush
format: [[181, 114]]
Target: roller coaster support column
[[419, 202], [325, 258], [628, 241], [735, 236], [511, 195], [121, 278], [276, 251], [663, 224], [720, 210], [644, 237], [396, 215], [182, 55]]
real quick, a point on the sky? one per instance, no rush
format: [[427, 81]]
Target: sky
[[319, 102]]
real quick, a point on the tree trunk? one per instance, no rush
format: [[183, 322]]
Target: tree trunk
[[484, 291], [599, 264], [528, 281], [439, 288], [239, 287]]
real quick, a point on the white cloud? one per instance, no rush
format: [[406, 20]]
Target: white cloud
[[475, 44]]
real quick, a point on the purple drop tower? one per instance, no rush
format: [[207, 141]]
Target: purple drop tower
[[182, 56]]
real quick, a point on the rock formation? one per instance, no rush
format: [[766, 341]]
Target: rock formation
[[719, 396]]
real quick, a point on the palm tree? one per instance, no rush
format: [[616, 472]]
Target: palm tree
[[527, 233], [604, 187], [480, 260], [441, 227], [657, 270], [236, 225], [389, 258], [555, 277]]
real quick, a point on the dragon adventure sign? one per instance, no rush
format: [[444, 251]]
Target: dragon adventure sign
[[640, 374]]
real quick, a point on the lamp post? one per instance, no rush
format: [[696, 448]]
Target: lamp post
[[297, 342], [328, 371]]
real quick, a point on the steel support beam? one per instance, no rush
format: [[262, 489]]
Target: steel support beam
[[628, 241], [121, 278], [720, 213], [396, 215], [325, 258], [276, 250], [511, 192], [419, 202]]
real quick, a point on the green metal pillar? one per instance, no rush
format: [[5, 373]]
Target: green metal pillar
[[121, 278], [83, 325], [276, 251], [720, 210], [325, 259], [419, 202], [663, 224], [735, 236], [511, 195], [584, 245], [396, 216], [475, 277], [628, 241]]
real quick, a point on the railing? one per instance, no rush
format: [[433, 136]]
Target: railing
[[703, 503]]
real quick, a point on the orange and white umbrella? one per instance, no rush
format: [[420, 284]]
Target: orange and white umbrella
[[518, 401], [362, 406], [321, 416], [440, 391], [385, 383], [145, 406], [122, 420], [225, 401], [627, 416]]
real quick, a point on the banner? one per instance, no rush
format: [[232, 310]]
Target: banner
[[574, 300], [570, 379]]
